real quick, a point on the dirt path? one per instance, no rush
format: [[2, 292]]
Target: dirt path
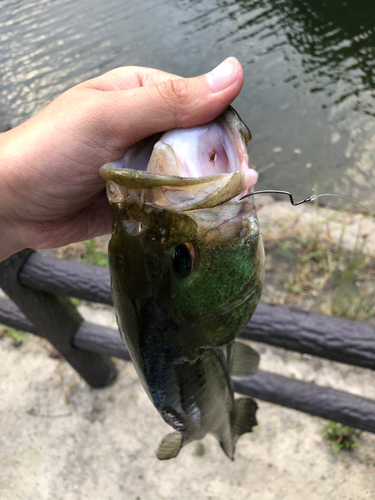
[[62, 440]]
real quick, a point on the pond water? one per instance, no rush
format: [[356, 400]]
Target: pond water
[[309, 92]]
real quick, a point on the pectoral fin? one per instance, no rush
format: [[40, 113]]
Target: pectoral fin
[[245, 360], [244, 416], [170, 446]]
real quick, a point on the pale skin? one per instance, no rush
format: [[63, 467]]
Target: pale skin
[[51, 193]]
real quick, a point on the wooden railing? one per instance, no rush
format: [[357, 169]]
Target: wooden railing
[[38, 287]]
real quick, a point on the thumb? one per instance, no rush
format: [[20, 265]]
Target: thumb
[[134, 114]]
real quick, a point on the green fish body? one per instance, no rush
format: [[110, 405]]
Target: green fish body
[[187, 269]]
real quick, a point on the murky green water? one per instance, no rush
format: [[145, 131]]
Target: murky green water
[[309, 92]]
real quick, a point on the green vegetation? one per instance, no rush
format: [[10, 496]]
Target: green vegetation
[[17, 336], [91, 251], [341, 436], [340, 282], [93, 255]]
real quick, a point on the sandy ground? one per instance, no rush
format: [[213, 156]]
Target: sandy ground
[[60, 439]]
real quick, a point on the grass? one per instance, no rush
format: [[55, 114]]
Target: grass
[[90, 251], [17, 336], [339, 282], [93, 255], [342, 437], [76, 302]]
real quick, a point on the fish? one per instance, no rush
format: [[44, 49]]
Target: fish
[[187, 269]]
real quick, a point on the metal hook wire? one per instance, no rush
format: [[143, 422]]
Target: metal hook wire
[[310, 198], [276, 191]]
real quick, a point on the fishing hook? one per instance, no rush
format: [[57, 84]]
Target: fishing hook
[[310, 198], [276, 191]]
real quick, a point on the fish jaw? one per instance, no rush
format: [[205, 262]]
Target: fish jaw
[[171, 192]]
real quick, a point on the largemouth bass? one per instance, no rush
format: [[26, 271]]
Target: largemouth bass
[[187, 269]]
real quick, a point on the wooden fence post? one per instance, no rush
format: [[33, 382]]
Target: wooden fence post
[[56, 319]]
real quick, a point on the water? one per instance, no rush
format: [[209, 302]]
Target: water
[[309, 92]]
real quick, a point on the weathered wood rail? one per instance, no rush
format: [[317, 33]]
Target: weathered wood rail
[[38, 285]]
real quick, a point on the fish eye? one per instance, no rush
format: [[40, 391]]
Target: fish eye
[[183, 259]]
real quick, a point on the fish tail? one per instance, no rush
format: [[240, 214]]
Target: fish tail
[[243, 421], [244, 418], [227, 446]]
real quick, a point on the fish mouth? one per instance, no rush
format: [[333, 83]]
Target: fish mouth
[[185, 169], [174, 192]]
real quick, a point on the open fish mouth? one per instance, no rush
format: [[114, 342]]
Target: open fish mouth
[[185, 169]]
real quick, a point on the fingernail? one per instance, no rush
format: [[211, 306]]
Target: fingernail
[[223, 75]]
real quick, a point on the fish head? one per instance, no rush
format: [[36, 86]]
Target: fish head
[[185, 169], [186, 256], [192, 278]]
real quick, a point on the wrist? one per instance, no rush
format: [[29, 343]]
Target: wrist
[[10, 241]]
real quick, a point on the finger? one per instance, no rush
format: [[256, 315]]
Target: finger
[[128, 77], [135, 114]]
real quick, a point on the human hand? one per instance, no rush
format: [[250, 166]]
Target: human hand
[[51, 190]]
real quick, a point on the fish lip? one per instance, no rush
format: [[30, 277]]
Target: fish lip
[[174, 192], [141, 179]]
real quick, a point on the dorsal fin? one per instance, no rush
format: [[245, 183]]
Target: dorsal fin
[[245, 360], [170, 446]]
